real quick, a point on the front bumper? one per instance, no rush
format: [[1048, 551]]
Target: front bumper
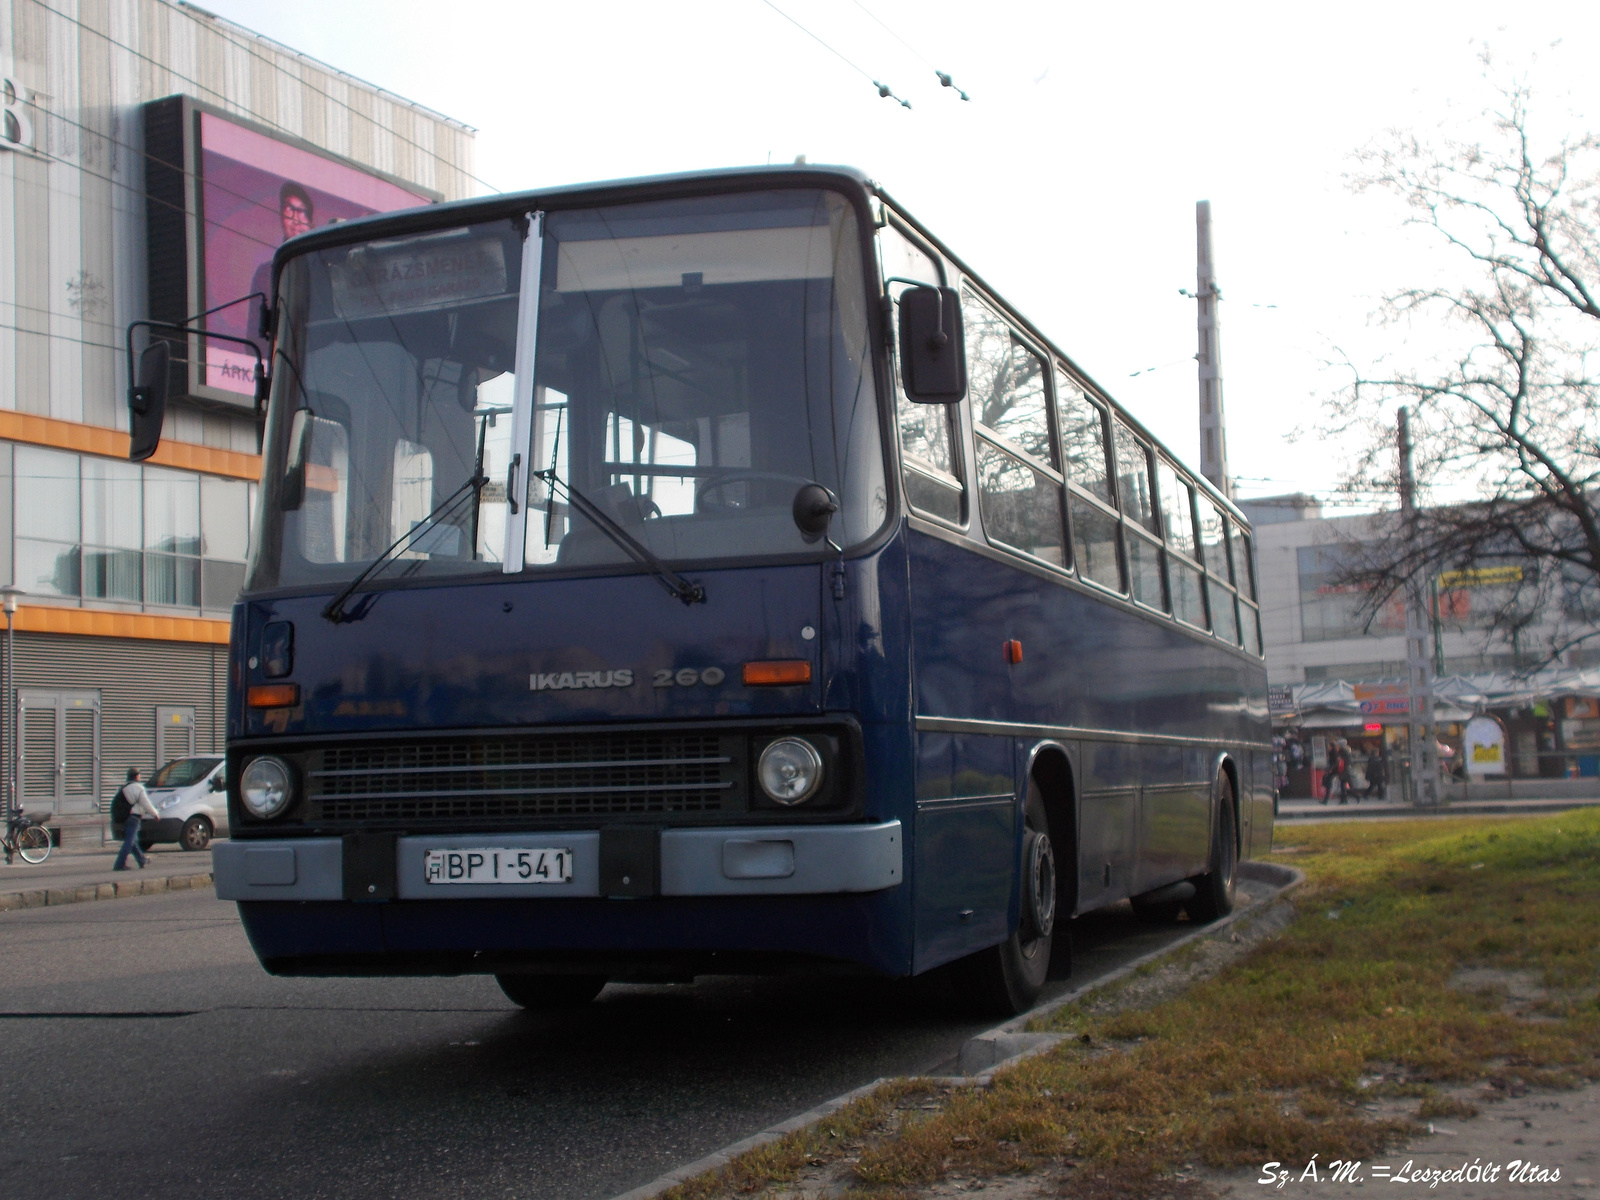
[[749, 861]]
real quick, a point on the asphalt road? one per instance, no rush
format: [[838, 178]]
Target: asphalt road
[[147, 1054]]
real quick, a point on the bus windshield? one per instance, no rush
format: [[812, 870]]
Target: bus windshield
[[698, 361]]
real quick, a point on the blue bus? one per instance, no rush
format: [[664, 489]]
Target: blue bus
[[710, 574]]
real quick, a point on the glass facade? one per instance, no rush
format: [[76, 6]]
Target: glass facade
[[102, 529]]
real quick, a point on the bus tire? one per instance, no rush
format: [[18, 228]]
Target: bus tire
[[1005, 980], [1214, 891], [551, 993]]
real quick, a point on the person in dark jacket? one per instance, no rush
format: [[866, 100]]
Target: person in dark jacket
[[1377, 774]]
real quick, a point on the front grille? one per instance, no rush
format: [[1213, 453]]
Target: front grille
[[582, 775]]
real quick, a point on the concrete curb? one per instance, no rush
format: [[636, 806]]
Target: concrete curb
[[1001, 1046], [727, 1154], [1457, 808], [1011, 1042], [120, 890]]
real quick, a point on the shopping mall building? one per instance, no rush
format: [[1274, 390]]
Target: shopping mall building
[[152, 157]]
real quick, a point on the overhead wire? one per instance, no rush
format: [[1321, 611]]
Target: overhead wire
[[944, 76], [884, 89]]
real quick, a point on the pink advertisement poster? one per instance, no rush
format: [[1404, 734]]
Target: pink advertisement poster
[[256, 193]]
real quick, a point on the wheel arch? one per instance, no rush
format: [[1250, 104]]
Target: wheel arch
[[1226, 765], [1050, 765]]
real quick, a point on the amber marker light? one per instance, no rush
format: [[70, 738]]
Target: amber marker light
[[783, 673], [274, 695], [1013, 652]]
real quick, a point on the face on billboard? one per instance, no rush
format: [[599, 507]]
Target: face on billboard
[[256, 194]]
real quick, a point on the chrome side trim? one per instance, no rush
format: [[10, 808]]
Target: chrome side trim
[[956, 803], [1014, 729]]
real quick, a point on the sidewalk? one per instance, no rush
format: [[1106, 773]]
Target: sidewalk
[[1306, 810], [74, 876]]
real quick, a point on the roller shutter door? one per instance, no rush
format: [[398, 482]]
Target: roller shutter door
[[134, 679]]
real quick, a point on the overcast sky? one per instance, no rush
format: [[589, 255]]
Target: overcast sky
[[1068, 180]]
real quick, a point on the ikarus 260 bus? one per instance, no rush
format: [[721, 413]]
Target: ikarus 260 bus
[[711, 574]]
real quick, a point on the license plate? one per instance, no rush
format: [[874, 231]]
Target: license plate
[[497, 864]]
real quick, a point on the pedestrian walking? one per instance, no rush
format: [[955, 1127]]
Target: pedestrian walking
[[137, 801], [1347, 785], [1377, 774], [1336, 773]]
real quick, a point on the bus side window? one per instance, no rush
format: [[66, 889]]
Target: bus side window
[[1219, 574], [1133, 478], [1139, 512], [1083, 439], [930, 463], [1019, 490], [1005, 381], [1177, 524], [1249, 615]]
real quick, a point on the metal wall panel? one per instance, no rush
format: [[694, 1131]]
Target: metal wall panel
[[73, 251], [134, 678]]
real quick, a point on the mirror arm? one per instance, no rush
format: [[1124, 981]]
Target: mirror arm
[[263, 375]]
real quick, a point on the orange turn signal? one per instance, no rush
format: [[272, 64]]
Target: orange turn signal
[[777, 674], [274, 695], [1013, 652]]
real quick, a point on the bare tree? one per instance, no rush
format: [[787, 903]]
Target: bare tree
[[1507, 413]]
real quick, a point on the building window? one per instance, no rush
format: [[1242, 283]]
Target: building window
[[108, 530]]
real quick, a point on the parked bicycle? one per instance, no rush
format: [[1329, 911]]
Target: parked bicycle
[[26, 837]]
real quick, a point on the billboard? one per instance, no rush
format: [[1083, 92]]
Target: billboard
[[223, 195]]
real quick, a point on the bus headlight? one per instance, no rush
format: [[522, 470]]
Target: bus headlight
[[790, 770], [264, 787]]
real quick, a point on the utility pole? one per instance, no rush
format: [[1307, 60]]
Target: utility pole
[[1420, 731], [8, 677], [1213, 430]]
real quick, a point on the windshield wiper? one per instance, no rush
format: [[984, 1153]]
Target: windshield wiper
[[676, 585], [335, 607]]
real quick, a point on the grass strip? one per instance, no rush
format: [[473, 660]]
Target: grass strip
[[1427, 955], [840, 1135]]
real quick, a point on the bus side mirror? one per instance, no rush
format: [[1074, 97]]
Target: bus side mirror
[[147, 400], [813, 510], [292, 494], [933, 356]]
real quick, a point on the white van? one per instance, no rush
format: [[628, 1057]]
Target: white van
[[191, 796]]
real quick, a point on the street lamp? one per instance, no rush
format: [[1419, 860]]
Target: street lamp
[[8, 602]]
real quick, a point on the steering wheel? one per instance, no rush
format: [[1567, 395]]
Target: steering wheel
[[738, 475]]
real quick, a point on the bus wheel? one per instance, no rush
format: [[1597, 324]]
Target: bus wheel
[[550, 993], [1005, 980], [1214, 891]]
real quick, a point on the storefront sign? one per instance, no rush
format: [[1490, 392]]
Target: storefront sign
[[1484, 746], [1480, 577], [1378, 699]]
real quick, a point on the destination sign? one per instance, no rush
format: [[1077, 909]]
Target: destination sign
[[384, 279]]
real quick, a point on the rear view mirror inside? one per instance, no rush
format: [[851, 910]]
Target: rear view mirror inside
[[933, 359]]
